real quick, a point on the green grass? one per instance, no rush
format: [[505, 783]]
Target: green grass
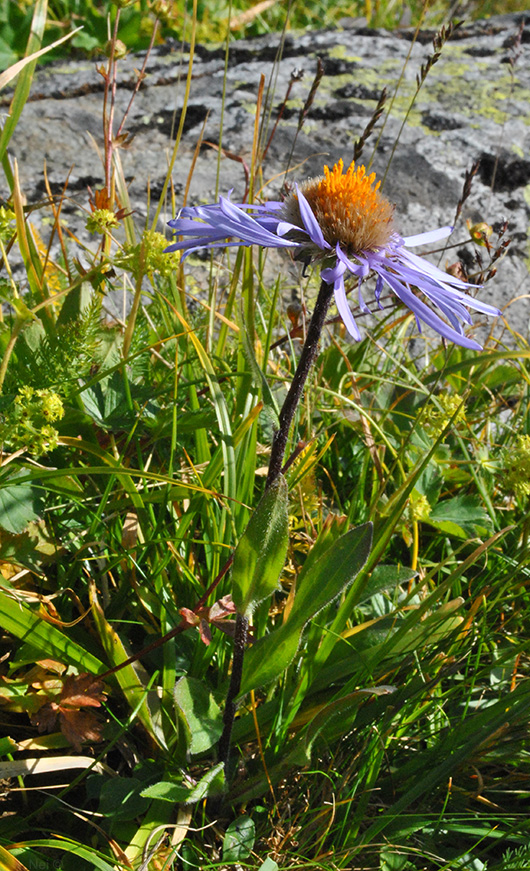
[[385, 703], [142, 20]]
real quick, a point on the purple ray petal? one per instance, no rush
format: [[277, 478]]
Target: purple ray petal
[[344, 310], [422, 311], [427, 238], [310, 222]]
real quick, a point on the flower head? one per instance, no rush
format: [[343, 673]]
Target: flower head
[[516, 467], [436, 417], [341, 220], [27, 422]]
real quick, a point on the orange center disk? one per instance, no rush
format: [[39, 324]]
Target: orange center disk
[[349, 208]]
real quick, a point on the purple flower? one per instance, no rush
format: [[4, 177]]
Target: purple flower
[[341, 220]]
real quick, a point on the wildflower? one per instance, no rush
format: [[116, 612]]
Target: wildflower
[[27, 424], [516, 461], [7, 223], [342, 221], [436, 417], [101, 221], [149, 256], [419, 507], [102, 217]]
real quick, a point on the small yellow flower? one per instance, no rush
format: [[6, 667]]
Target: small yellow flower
[[7, 223], [154, 258], [101, 221], [436, 417], [516, 467], [27, 424], [419, 507]]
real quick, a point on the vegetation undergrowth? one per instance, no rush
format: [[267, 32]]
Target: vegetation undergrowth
[[165, 19], [383, 705]]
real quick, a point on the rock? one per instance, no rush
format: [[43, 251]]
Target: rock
[[474, 103]]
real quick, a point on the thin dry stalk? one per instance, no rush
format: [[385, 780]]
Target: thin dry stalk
[[369, 129], [466, 190], [304, 111], [444, 34], [515, 52]]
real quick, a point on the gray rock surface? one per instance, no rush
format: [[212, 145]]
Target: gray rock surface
[[475, 103]]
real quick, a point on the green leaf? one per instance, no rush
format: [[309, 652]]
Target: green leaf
[[337, 718], [17, 618], [269, 657], [319, 586], [239, 840], [7, 745], [462, 516], [333, 572], [76, 302], [106, 403], [19, 504], [200, 712], [268, 865], [260, 554], [385, 578], [120, 799], [166, 790]]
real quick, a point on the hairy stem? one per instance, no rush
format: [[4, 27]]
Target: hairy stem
[[307, 358], [279, 444], [240, 640]]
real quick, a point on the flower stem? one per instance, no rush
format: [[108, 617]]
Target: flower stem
[[279, 444], [240, 640], [307, 358]]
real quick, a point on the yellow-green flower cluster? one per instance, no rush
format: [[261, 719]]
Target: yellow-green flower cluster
[[27, 424], [436, 417], [419, 507], [101, 221], [516, 471], [7, 223], [154, 259]]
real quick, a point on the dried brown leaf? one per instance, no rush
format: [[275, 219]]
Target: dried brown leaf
[[79, 727]]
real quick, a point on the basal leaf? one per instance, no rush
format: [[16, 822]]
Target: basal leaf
[[19, 505], [239, 840], [211, 783], [462, 516], [200, 712], [166, 790]]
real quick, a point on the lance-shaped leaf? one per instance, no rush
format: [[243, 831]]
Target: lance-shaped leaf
[[326, 578], [260, 554]]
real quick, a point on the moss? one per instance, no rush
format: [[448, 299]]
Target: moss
[[339, 52]]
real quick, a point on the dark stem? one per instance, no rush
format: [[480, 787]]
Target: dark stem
[[240, 640], [307, 358]]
